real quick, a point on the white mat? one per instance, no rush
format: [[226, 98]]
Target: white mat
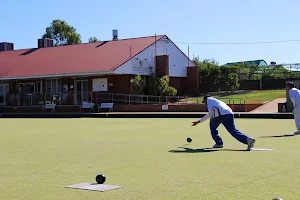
[[94, 187], [291, 134], [262, 149]]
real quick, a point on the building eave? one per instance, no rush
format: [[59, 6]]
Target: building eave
[[58, 75]]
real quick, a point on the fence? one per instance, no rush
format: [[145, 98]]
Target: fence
[[270, 84], [78, 98], [139, 99]]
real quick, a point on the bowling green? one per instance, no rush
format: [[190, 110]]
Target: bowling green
[[149, 157]]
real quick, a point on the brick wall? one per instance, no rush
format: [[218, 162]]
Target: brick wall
[[186, 86], [121, 83], [250, 107], [244, 107], [192, 80], [162, 65], [179, 108], [133, 108], [158, 108], [178, 83]]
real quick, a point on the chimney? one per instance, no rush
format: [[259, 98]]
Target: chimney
[[115, 34], [45, 42], [5, 46]]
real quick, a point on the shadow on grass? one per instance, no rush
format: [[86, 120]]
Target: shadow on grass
[[280, 136], [202, 150]]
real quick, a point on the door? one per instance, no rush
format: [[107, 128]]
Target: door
[[4, 90], [26, 93], [81, 91]]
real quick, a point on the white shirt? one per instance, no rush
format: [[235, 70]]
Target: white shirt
[[216, 108], [295, 97]]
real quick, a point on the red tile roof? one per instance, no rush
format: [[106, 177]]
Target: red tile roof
[[73, 59]]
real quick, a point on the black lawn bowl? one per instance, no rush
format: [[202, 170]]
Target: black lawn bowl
[[100, 178], [189, 139]]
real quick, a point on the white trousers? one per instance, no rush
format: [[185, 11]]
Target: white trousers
[[297, 118]]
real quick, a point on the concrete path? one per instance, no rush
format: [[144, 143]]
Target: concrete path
[[271, 106]]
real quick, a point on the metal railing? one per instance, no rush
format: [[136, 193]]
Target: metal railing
[[233, 100], [78, 98], [35, 99], [139, 99]]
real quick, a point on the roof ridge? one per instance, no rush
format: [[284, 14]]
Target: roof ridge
[[86, 43], [247, 61]]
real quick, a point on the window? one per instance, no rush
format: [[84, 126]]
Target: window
[[27, 88], [38, 87], [53, 86]]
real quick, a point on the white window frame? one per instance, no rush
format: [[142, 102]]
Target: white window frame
[[5, 92], [80, 92], [56, 85]]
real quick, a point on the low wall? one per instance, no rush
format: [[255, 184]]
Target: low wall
[[132, 108], [180, 108], [38, 109], [143, 115], [245, 107], [158, 108]]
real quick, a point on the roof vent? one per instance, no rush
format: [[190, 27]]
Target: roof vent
[[5, 46], [115, 34], [45, 42], [273, 63]]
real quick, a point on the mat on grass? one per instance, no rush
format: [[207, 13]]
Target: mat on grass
[[261, 149], [94, 187]]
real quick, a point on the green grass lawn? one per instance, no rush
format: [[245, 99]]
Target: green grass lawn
[[253, 97], [41, 156]]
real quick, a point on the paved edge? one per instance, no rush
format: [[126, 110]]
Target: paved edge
[[271, 106], [142, 115]]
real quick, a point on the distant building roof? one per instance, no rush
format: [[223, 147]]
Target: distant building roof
[[251, 62]]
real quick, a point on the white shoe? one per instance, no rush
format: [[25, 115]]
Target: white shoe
[[250, 142], [218, 146]]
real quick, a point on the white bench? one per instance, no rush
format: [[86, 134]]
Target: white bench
[[108, 106], [49, 107], [86, 105]]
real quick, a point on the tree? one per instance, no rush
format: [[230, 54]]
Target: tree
[[137, 85], [62, 33], [153, 84], [226, 70], [233, 81], [253, 69], [164, 88], [278, 72], [93, 39], [209, 73], [161, 86]]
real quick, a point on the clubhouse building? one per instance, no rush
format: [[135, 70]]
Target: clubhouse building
[[73, 74]]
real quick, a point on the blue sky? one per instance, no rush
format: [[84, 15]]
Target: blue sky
[[189, 21]]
